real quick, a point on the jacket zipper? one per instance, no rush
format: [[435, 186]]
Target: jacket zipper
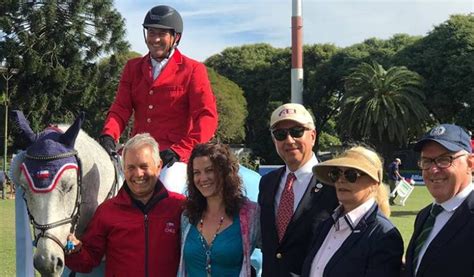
[[146, 245]]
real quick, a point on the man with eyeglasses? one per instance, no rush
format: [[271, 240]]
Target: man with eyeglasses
[[443, 240], [293, 203], [169, 96]]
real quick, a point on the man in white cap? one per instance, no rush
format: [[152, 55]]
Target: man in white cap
[[293, 203]]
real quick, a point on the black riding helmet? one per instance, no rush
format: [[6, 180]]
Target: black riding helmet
[[164, 17]]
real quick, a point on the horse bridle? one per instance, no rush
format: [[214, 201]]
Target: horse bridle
[[75, 215]]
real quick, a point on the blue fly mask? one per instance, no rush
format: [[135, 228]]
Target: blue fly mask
[[46, 160]]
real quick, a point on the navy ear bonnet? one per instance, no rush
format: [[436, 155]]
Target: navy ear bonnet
[[46, 160], [49, 154]]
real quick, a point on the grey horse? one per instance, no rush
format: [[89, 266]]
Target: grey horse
[[65, 175]]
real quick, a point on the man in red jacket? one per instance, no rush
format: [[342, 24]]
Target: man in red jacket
[[168, 93], [138, 230]]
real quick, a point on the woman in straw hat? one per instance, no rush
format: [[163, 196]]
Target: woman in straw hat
[[358, 240]]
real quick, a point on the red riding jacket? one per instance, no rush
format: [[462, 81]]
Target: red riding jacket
[[135, 243], [178, 109]]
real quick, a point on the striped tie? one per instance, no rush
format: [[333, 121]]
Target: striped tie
[[425, 231]]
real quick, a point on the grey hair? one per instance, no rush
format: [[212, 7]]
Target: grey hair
[[140, 140]]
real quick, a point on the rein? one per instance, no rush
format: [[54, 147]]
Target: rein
[[75, 215], [118, 173]]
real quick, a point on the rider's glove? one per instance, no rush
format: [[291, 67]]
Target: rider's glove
[[169, 157], [108, 143]]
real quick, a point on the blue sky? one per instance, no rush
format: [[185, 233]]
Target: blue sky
[[212, 25]]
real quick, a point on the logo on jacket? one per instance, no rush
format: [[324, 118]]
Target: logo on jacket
[[318, 187], [170, 228]]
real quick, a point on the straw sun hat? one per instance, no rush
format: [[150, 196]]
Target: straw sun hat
[[358, 157]]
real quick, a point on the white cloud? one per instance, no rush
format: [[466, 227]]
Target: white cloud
[[212, 25]]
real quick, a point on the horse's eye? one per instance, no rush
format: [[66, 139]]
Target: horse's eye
[[66, 187]]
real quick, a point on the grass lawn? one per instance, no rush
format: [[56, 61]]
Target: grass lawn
[[7, 237], [402, 217]]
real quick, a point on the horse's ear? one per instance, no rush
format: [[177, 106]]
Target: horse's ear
[[69, 137], [23, 125]]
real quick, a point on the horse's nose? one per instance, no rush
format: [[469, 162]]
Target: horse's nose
[[48, 265]]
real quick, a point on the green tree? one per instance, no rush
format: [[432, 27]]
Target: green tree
[[231, 107], [106, 83], [56, 45], [321, 91], [252, 67], [380, 106], [326, 67], [445, 59]]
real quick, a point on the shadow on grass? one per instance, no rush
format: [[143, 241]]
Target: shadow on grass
[[404, 213]]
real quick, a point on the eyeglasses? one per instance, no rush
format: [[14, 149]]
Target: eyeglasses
[[350, 175], [440, 162], [295, 132]]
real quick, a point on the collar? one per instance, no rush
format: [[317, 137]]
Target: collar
[[161, 63], [352, 218], [306, 169], [159, 193], [454, 202]]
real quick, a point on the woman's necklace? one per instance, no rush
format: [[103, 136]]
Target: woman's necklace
[[208, 249]]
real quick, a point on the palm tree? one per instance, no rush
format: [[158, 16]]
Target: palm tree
[[383, 107]]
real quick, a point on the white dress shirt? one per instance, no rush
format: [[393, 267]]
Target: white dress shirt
[[303, 176], [157, 66], [449, 207], [339, 232]]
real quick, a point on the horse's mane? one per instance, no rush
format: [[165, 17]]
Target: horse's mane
[[14, 172]]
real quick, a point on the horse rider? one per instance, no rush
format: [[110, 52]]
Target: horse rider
[[169, 95]]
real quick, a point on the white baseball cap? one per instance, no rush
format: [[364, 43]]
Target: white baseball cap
[[294, 112]]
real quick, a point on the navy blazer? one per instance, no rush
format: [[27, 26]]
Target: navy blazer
[[317, 204], [374, 248], [451, 252]]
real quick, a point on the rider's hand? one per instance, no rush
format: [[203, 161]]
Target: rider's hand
[[169, 157], [77, 244], [108, 143]]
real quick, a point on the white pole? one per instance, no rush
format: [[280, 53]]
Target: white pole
[[296, 53]]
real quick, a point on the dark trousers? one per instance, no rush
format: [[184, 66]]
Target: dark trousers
[[392, 184]]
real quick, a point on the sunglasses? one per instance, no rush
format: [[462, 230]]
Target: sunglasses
[[350, 175], [295, 132]]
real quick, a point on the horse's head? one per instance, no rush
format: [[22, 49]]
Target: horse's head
[[50, 175]]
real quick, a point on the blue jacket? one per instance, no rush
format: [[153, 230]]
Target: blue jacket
[[451, 251], [280, 259], [374, 248]]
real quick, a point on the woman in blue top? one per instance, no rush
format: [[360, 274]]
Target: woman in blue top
[[219, 226]]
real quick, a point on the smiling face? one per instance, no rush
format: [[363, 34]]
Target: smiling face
[[295, 152], [141, 172], [444, 183], [159, 42], [352, 195], [206, 178]]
